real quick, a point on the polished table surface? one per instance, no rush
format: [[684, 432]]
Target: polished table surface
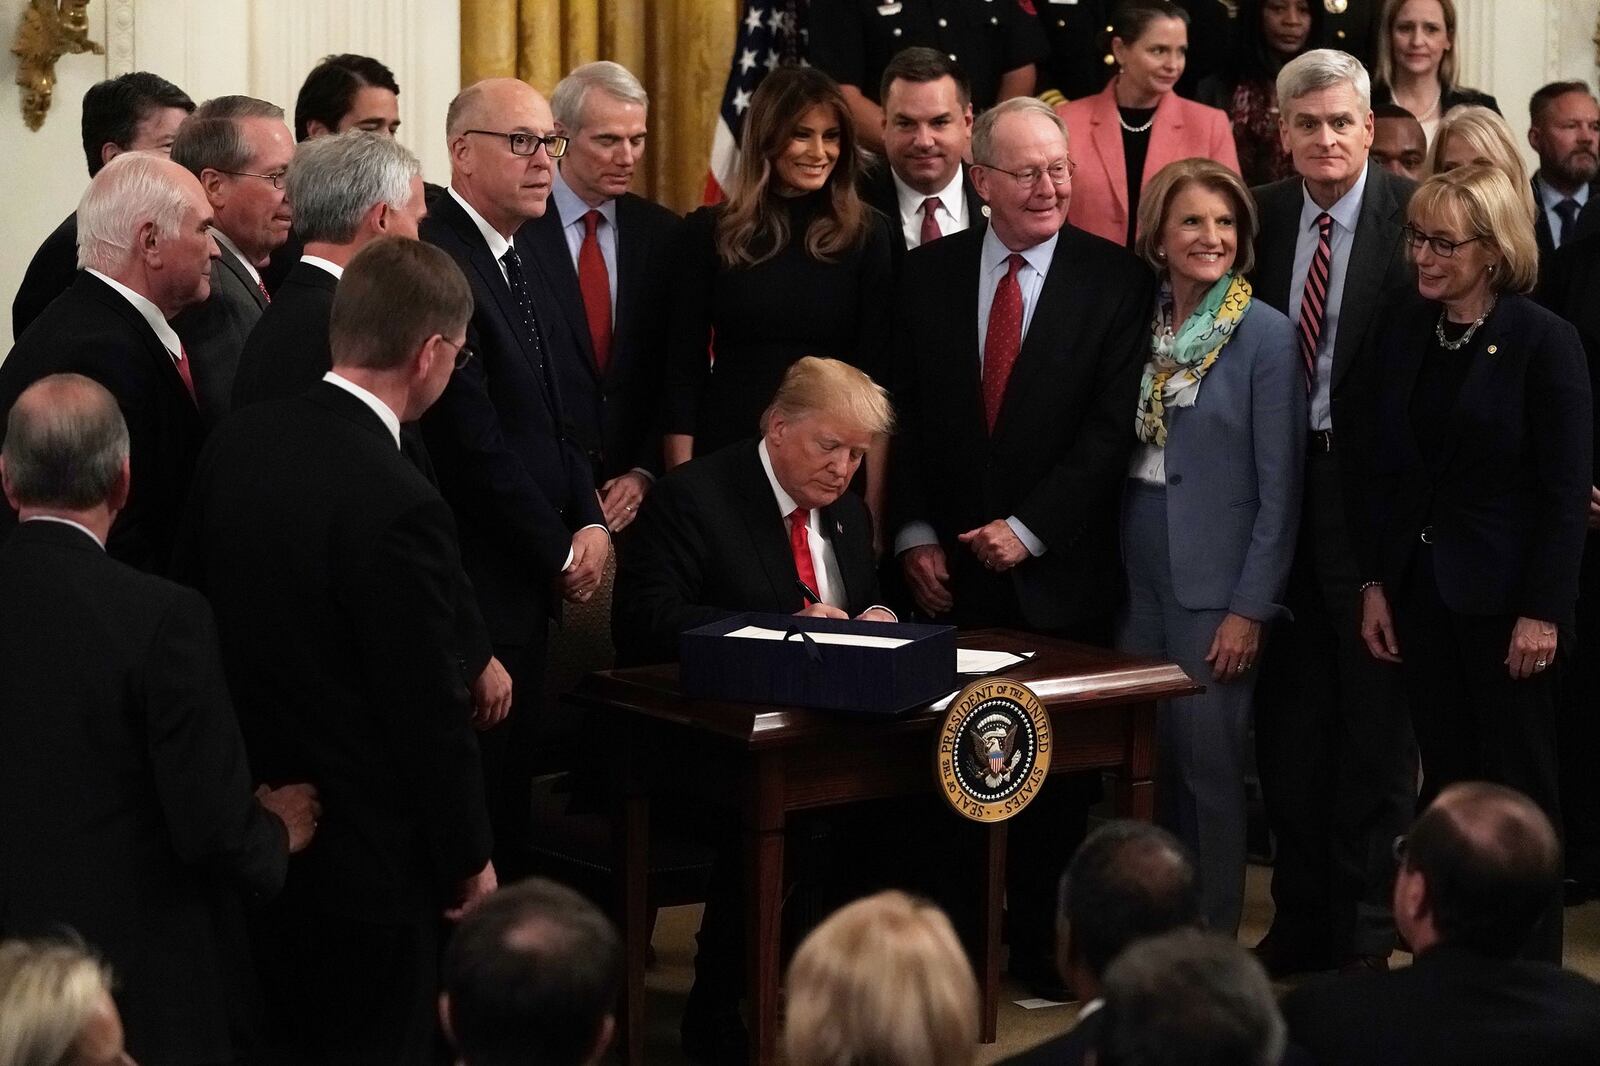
[[766, 761]]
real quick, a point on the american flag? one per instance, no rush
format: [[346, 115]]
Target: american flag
[[773, 33]]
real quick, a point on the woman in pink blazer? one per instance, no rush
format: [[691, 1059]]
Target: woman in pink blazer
[[1122, 135]]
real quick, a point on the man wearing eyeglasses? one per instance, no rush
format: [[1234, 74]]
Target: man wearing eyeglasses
[[532, 530], [239, 148], [1018, 352], [1332, 733]]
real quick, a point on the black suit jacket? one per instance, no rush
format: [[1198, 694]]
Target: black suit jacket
[[1509, 497], [214, 332], [614, 416], [1059, 453], [519, 484], [710, 543], [1450, 1006], [1588, 223], [49, 274], [123, 777], [878, 189], [331, 563], [93, 330], [287, 351]]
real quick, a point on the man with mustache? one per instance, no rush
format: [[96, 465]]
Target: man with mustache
[[239, 148], [1565, 131]]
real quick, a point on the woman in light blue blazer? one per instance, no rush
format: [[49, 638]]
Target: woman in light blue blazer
[[1212, 503]]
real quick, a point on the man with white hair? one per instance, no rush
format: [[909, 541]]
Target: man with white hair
[[1332, 733], [145, 248]]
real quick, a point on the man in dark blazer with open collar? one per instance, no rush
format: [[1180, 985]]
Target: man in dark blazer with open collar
[[532, 531], [331, 563], [112, 326], [1565, 132], [927, 132], [611, 393], [1332, 733]]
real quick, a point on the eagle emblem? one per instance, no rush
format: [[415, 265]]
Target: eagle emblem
[[994, 753]]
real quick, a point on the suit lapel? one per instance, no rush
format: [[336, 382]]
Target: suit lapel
[[1377, 241], [633, 257], [549, 242], [488, 271], [1419, 342], [242, 274], [1106, 132], [759, 511], [1499, 335], [1275, 263], [165, 367], [976, 209], [961, 292], [852, 551], [1166, 135]]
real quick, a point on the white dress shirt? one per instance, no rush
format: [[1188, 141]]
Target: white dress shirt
[[222, 239], [79, 526], [391, 421], [951, 212], [570, 209], [499, 244], [1345, 212], [829, 578], [150, 313], [324, 264]]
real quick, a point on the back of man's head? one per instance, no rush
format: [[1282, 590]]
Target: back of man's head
[[113, 109], [1490, 865], [1128, 881], [1188, 998], [531, 979], [393, 296], [334, 181], [66, 445]]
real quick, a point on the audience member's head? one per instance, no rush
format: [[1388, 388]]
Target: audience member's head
[[1399, 144], [927, 118], [1189, 189], [56, 1007], [1023, 170], [1272, 32], [1128, 881], [1188, 998], [885, 981], [531, 976], [144, 222], [1477, 870], [824, 419], [347, 92], [353, 187], [502, 148], [1418, 37], [1325, 116], [400, 314], [1475, 134], [1478, 210], [601, 109], [65, 449], [136, 112], [1565, 131], [240, 149]]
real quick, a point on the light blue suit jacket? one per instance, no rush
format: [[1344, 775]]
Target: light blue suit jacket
[[1235, 467]]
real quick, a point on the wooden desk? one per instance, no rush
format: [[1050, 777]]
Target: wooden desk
[[772, 760]]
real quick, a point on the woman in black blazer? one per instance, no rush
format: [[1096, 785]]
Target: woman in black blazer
[[1475, 449], [1417, 62]]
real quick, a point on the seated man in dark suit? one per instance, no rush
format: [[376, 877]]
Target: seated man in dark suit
[[1478, 870], [145, 251], [532, 975], [136, 112], [128, 809], [331, 562]]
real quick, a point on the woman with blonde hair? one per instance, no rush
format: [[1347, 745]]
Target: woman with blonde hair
[[1417, 62], [882, 982], [1473, 455], [1474, 134], [56, 1007]]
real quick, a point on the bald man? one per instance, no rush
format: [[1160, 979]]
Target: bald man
[[532, 532]]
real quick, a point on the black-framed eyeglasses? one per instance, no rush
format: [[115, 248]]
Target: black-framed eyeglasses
[[1028, 177], [276, 177], [464, 354], [555, 145], [1442, 248]]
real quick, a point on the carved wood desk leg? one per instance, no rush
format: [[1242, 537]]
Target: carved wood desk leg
[[1136, 786], [763, 829], [994, 891], [632, 832]]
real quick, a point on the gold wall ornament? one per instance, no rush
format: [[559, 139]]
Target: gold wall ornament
[[49, 30]]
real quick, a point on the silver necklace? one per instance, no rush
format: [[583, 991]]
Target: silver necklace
[[1134, 129], [1461, 341]]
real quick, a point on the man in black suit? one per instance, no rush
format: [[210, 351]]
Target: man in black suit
[[112, 326], [1478, 870], [136, 112], [129, 814], [240, 149], [609, 284], [331, 563], [1332, 731], [922, 184], [1565, 132], [532, 531]]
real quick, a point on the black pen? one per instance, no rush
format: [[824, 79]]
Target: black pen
[[805, 591]]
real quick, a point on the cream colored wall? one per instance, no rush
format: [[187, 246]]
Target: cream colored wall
[[210, 47]]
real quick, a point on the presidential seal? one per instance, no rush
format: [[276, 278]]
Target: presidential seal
[[994, 749]]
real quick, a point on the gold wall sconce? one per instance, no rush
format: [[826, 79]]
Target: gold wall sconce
[[49, 30]]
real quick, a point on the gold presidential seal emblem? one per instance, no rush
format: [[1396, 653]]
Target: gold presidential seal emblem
[[993, 750]]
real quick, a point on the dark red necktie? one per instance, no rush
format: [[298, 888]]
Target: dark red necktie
[[1002, 340], [265, 295], [1314, 301], [800, 544], [183, 372], [595, 285], [930, 221]]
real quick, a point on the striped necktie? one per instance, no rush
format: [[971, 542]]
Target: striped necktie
[[1314, 300]]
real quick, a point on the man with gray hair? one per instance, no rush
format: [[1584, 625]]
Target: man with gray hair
[[129, 812], [239, 147], [1332, 732], [145, 254]]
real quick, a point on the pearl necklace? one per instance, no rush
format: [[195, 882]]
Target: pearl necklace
[[1461, 341], [1134, 129]]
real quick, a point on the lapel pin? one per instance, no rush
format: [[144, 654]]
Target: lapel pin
[[838, 527], [1493, 348]]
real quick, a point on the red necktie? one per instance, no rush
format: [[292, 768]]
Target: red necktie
[[1314, 300], [183, 372], [930, 223], [595, 285], [265, 295], [800, 544], [1002, 340]]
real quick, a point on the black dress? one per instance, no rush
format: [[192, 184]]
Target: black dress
[[759, 320]]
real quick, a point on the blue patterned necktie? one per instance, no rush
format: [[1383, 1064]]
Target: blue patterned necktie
[[519, 291]]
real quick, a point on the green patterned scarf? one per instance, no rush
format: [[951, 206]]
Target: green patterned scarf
[[1178, 362]]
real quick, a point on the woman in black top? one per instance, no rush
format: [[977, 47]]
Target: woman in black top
[[1473, 455], [793, 264], [1417, 62]]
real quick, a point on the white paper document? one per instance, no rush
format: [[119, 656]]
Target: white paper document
[[854, 640], [973, 661]]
